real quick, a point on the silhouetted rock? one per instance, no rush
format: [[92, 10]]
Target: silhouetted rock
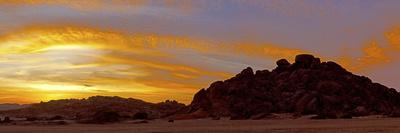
[[85, 109], [168, 108], [57, 117], [7, 120], [395, 113], [308, 86], [216, 118], [32, 119], [103, 117], [57, 123], [282, 63], [140, 115], [360, 111], [246, 73]]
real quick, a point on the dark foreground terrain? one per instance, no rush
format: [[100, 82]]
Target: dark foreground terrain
[[364, 125]]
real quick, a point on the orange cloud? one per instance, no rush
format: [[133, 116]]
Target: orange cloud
[[113, 62], [37, 38], [267, 50], [101, 61], [393, 36], [372, 55]]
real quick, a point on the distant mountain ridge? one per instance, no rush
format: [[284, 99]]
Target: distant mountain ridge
[[12, 106], [308, 86], [83, 109]]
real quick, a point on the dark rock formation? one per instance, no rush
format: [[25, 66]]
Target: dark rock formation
[[86, 109], [308, 86], [102, 117], [32, 119], [57, 117], [7, 120], [56, 123], [282, 63], [140, 115]]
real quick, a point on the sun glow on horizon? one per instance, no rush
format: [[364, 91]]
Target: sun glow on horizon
[[57, 87], [76, 61]]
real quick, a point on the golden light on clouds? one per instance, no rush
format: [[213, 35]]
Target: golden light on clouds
[[67, 61], [373, 55], [86, 60], [393, 36], [268, 51]]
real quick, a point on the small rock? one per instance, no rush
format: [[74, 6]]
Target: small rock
[[216, 118], [246, 73], [32, 119], [57, 117], [7, 120], [360, 111], [140, 122]]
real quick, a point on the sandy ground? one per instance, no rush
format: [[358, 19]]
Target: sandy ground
[[368, 125]]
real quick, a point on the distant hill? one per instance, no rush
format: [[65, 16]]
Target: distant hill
[[308, 86], [12, 106], [81, 109]]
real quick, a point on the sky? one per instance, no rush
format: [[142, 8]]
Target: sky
[[159, 50]]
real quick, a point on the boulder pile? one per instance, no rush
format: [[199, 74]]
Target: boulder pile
[[308, 86]]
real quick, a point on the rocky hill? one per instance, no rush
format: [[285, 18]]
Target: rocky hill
[[96, 107], [12, 106], [308, 86]]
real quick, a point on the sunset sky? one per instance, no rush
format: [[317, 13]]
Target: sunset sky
[[158, 50]]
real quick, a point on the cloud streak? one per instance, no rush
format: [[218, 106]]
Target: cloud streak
[[375, 54], [69, 57], [91, 61]]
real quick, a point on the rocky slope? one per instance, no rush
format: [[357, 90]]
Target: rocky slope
[[96, 108], [308, 86]]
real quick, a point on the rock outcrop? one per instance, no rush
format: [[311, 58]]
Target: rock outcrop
[[96, 109], [308, 86]]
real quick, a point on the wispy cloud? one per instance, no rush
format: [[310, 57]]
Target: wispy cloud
[[107, 47], [94, 61], [393, 36]]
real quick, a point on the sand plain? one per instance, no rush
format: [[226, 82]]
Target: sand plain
[[366, 125]]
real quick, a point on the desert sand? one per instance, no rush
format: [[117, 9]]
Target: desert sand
[[365, 125]]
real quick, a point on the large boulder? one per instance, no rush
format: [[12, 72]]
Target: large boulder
[[282, 63], [306, 60], [246, 73]]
